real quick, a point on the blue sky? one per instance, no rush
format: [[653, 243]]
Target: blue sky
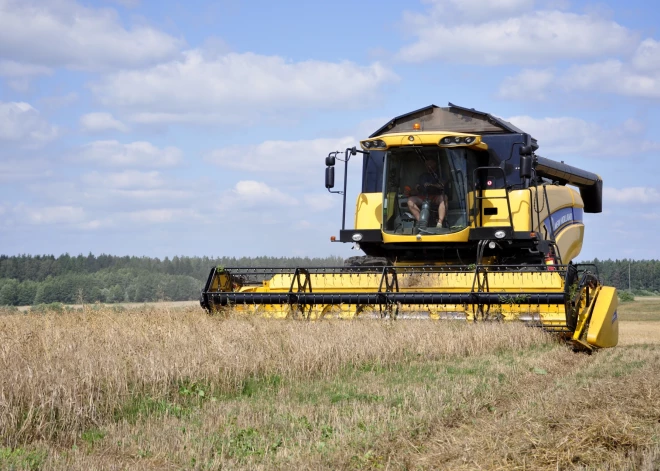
[[167, 128]]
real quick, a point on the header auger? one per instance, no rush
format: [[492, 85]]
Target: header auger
[[458, 219]]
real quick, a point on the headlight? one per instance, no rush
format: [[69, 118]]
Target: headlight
[[456, 140], [500, 234], [357, 237], [377, 144]]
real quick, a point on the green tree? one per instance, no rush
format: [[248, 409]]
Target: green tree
[[9, 293]]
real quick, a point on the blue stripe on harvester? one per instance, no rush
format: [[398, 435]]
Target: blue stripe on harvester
[[563, 218]]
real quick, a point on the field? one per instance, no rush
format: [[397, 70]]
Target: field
[[168, 387]]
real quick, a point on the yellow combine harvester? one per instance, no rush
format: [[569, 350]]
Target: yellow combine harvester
[[459, 219]]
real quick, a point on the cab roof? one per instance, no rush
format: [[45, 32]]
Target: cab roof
[[453, 118]]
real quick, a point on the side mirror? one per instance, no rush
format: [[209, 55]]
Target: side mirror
[[330, 175], [525, 165], [525, 150], [330, 161]]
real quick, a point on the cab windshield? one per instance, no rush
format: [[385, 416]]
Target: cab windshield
[[426, 188]]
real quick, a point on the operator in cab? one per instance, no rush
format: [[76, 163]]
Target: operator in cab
[[430, 187]]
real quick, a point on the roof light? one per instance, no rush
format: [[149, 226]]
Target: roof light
[[469, 140], [333, 239], [411, 138], [500, 234], [357, 237], [417, 127]]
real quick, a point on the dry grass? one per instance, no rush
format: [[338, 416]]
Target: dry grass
[[639, 332], [62, 372], [177, 389], [642, 309]]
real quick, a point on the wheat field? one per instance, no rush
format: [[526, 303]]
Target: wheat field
[[162, 387]]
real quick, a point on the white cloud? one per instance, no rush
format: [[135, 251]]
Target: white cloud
[[145, 217], [528, 85], [320, 202], [612, 76], [303, 224], [94, 122], [13, 170], [113, 193], [250, 194], [477, 9], [134, 154], [129, 179], [152, 195], [58, 101], [64, 33], [9, 68], [235, 87], [639, 77], [53, 214], [160, 216], [574, 136], [290, 157], [635, 195], [647, 56], [18, 74], [19, 121], [537, 37], [127, 3]]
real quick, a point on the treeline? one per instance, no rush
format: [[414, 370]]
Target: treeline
[[30, 280], [642, 276]]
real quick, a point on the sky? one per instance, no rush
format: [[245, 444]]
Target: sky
[[200, 128]]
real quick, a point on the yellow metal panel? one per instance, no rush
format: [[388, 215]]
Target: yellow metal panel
[[559, 197], [604, 325], [493, 201], [498, 281], [520, 209], [508, 285], [402, 139], [460, 236], [569, 242], [577, 199], [369, 211]]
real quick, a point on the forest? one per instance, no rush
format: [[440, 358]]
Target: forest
[[27, 280]]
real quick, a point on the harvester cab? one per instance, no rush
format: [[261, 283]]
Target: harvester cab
[[488, 185], [458, 218]]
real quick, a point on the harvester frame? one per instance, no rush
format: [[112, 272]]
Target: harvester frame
[[503, 251]]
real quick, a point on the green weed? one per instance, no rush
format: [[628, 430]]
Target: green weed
[[21, 459], [93, 435], [254, 385], [143, 406]]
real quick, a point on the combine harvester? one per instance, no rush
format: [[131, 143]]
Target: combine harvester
[[459, 219]]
